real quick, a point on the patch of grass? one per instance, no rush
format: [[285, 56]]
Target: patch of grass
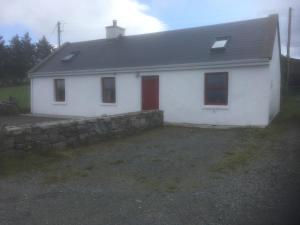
[[248, 148], [153, 183], [11, 164], [171, 188], [172, 185], [159, 184], [148, 182], [117, 162], [89, 168], [64, 175], [156, 160], [141, 179], [257, 141], [45, 161], [289, 115], [235, 160], [20, 93]]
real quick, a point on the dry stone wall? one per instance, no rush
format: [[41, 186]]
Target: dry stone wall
[[73, 133]]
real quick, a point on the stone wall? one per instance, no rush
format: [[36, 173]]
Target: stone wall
[[73, 133], [8, 108]]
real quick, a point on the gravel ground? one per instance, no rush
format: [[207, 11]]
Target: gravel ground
[[22, 120], [167, 176]]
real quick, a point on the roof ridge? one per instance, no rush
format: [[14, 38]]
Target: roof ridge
[[176, 30]]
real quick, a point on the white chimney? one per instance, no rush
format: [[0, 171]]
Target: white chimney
[[114, 31]]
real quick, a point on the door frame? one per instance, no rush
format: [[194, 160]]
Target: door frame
[[149, 76]]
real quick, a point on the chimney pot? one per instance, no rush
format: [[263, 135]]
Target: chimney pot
[[114, 31]]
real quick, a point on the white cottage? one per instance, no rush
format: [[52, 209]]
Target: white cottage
[[225, 74]]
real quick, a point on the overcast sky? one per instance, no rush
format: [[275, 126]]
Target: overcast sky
[[85, 20]]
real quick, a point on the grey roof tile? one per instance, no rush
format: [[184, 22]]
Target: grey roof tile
[[251, 39]]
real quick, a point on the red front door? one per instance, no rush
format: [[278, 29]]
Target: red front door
[[150, 92]]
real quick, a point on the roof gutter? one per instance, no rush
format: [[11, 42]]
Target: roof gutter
[[157, 68]]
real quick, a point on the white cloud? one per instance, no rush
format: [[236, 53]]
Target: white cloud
[[281, 7], [82, 20]]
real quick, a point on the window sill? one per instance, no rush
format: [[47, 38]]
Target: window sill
[[108, 104], [59, 103], [216, 107]]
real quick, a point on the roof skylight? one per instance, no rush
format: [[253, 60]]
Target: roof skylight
[[69, 57], [220, 43]]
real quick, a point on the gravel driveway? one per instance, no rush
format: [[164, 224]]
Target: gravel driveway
[[166, 176]]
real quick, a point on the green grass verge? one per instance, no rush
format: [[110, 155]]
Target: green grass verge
[[20, 93], [255, 141], [11, 164], [235, 160]]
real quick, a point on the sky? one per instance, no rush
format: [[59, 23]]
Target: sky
[[86, 20]]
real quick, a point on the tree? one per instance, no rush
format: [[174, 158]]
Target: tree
[[3, 55], [27, 55], [43, 49], [17, 58], [14, 62], [21, 57]]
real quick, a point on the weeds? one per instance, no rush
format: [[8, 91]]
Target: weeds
[[257, 141]]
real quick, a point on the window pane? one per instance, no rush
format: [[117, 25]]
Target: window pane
[[216, 97], [59, 90], [219, 44], [108, 90], [216, 80], [216, 89]]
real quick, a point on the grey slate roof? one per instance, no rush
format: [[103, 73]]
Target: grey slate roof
[[251, 39]]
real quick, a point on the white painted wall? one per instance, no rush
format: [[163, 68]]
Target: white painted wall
[[181, 97], [83, 96], [275, 84]]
